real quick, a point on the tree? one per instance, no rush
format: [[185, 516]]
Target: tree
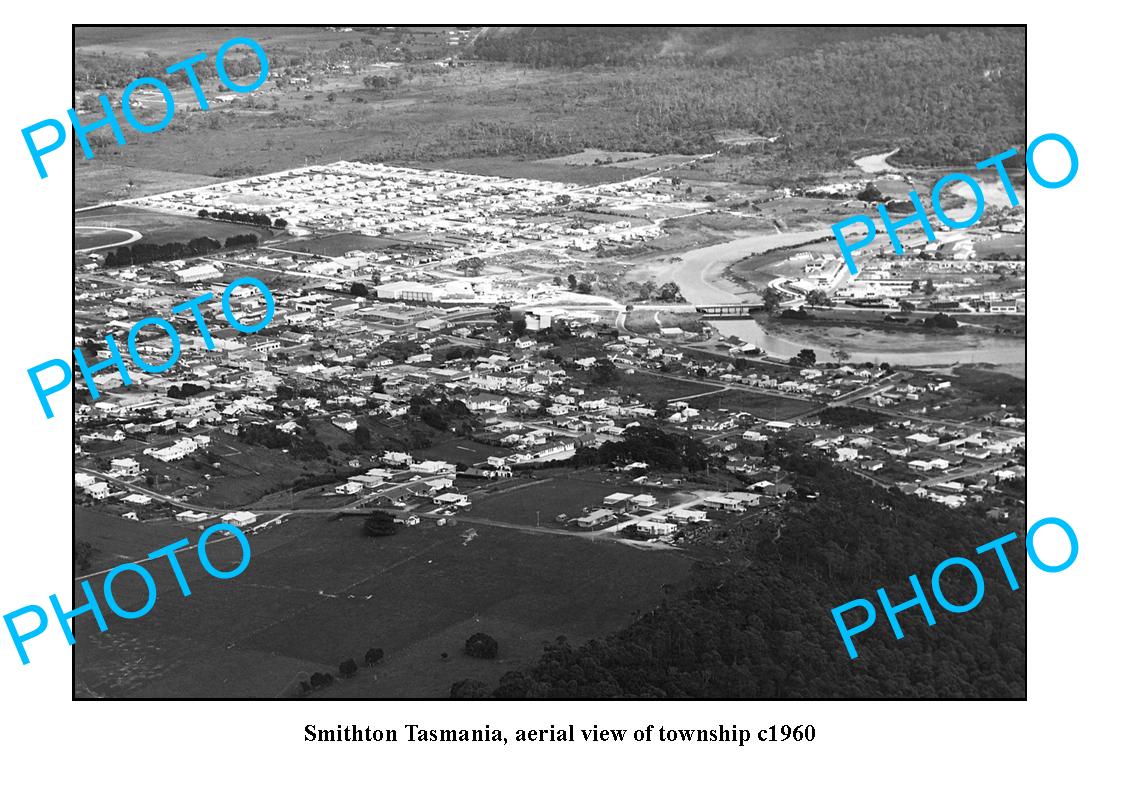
[[380, 523], [605, 372], [83, 555], [359, 289], [915, 286], [469, 689], [870, 193], [518, 326], [481, 645], [841, 355], [585, 288], [572, 280], [805, 357], [772, 299], [280, 223], [348, 668], [502, 314], [929, 288], [374, 655], [818, 298], [907, 306], [203, 213], [362, 436]]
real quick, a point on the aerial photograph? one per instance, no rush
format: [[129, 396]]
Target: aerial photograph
[[527, 363]]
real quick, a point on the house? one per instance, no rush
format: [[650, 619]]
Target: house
[[349, 488], [846, 454], [124, 468], [724, 503], [432, 467], [656, 528], [616, 498], [99, 490], [441, 484], [595, 518], [241, 519], [488, 402], [397, 459], [642, 501], [687, 515], [452, 499], [345, 422], [191, 517]]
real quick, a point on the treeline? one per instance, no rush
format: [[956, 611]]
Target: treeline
[[102, 70], [577, 47], [300, 445], [759, 625], [143, 253], [243, 217], [663, 449]]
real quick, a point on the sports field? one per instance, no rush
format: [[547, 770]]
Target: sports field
[[154, 227]]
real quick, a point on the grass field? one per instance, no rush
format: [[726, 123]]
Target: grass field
[[526, 503], [157, 227], [769, 407], [317, 592], [336, 245]]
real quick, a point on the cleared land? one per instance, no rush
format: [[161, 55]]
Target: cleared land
[[156, 227], [318, 592]]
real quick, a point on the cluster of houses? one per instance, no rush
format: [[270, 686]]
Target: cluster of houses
[[450, 215]]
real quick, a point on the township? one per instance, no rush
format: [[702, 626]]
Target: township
[[403, 318]]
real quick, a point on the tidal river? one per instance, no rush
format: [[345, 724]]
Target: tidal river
[[698, 276]]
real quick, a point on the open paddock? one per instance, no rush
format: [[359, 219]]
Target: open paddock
[[318, 591]]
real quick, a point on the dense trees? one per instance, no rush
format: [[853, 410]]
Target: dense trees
[[818, 298], [380, 523], [772, 298], [659, 448], [185, 390], [359, 289], [302, 445], [83, 555], [348, 668], [811, 87], [849, 416], [481, 645], [604, 372], [758, 625], [805, 358], [144, 253], [941, 321]]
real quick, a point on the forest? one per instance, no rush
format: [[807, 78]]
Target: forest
[[757, 624], [944, 97]]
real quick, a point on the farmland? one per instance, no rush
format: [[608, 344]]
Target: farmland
[[318, 592]]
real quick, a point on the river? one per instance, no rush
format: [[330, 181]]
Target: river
[[699, 277], [875, 164]]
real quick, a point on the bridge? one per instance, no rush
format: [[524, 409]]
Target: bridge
[[728, 311]]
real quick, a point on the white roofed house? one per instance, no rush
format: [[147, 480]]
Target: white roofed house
[[488, 402], [124, 468], [240, 519], [432, 467]]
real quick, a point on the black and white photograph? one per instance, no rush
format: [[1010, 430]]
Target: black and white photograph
[[445, 362]]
